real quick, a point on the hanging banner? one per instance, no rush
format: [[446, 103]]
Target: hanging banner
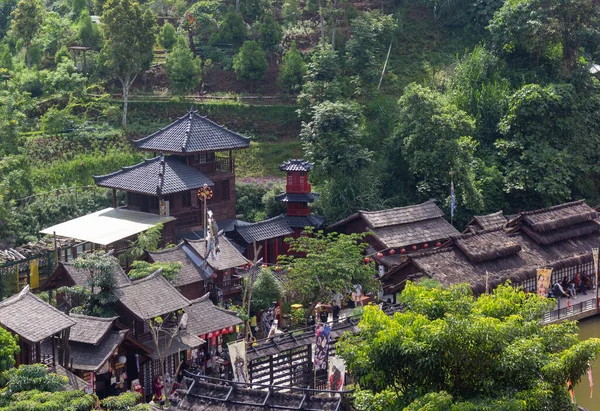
[[595, 254], [164, 208], [322, 333], [237, 353], [273, 329], [34, 273], [336, 374], [543, 281]]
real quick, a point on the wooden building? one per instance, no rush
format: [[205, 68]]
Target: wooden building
[[196, 278], [67, 275], [194, 151], [35, 321], [144, 300], [560, 237], [399, 231], [270, 234]]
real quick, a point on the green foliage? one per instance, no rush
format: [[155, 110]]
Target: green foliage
[[266, 291], [330, 262], [291, 10], [333, 139], [142, 269], [322, 81], [450, 351], [231, 31], [250, 63], [371, 32], [256, 200], [56, 120], [88, 33], [10, 119], [253, 9], [122, 402], [435, 138], [148, 240], [27, 19], [6, 8], [6, 63], [167, 37], [9, 347], [101, 268], [36, 400], [183, 69], [32, 377], [292, 70], [270, 33]]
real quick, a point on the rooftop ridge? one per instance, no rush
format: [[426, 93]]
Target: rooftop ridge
[[177, 120], [206, 297], [553, 208], [91, 317], [166, 250], [427, 253], [126, 168]]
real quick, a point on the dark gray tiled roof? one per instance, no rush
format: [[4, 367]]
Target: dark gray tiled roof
[[151, 297], [205, 317], [31, 318], [227, 257], [486, 222], [182, 341], [82, 277], [436, 229], [90, 330], [190, 273], [88, 357], [263, 230], [192, 133], [75, 383], [311, 220], [156, 176], [296, 165], [297, 197]]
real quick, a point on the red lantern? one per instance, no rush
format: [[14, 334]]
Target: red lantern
[[203, 336], [367, 260], [210, 335], [214, 275], [379, 255], [392, 251], [231, 328], [249, 263], [438, 244], [402, 251], [425, 245], [216, 333], [225, 331]]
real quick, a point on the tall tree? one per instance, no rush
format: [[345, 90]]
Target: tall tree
[[270, 33], [101, 268], [329, 262], [449, 351], [322, 79], [167, 36], [6, 8], [183, 69], [250, 63], [129, 35], [27, 19], [292, 70], [232, 30]]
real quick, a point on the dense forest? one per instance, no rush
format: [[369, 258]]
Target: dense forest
[[391, 99]]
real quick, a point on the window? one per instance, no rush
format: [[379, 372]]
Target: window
[[225, 187], [186, 199]]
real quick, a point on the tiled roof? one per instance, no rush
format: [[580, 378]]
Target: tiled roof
[[486, 222], [90, 330], [263, 230], [311, 220], [182, 342], [151, 297], [156, 176], [296, 165], [415, 233], [190, 272], [31, 318], [82, 277], [227, 257], [192, 133], [205, 317], [297, 197], [87, 357]]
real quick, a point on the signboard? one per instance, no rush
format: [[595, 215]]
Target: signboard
[[595, 254], [543, 281], [164, 208], [322, 333], [237, 353], [336, 374]]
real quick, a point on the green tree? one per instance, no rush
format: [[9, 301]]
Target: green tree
[[78, 7], [183, 69], [330, 262], [291, 10], [434, 137], [101, 268], [333, 139], [253, 9], [5, 58], [167, 37], [27, 19], [292, 70], [322, 79], [250, 63], [6, 8], [88, 32], [142, 269], [266, 290], [10, 120], [9, 347], [449, 351], [270, 33], [231, 31], [129, 35], [371, 33]]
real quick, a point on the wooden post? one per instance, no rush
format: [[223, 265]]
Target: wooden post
[[56, 249], [54, 351], [114, 198], [38, 352], [265, 254]]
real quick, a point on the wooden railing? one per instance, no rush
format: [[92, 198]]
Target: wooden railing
[[564, 313], [225, 284], [220, 165]]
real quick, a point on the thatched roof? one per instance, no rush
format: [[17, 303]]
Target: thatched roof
[[206, 396], [88, 329], [181, 342], [67, 273], [487, 245], [191, 271], [404, 226], [486, 222], [88, 357], [560, 216], [205, 317]]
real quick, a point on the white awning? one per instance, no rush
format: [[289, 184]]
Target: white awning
[[107, 226]]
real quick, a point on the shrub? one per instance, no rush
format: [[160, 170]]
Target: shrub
[[250, 63], [167, 36], [121, 402], [292, 71], [183, 69]]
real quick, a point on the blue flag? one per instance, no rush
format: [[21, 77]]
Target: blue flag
[[453, 203]]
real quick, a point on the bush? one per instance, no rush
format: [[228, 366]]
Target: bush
[[183, 69], [250, 63], [121, 402], [167, 36], [56, 120], [270, 33], [292, 71]]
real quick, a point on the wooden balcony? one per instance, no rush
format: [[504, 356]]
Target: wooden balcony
[[220, 165], [227, 283], [189, 218]]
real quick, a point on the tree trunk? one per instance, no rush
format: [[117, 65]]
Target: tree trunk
[[27, 58], [334, 29], [191, 42], [322, 23], [237, 6], [125, 100]]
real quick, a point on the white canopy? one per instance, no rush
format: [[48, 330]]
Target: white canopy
[[107, 226]]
